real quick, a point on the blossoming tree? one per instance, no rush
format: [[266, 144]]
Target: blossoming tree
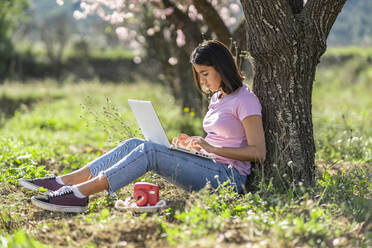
[[285, 40], [168, 31]]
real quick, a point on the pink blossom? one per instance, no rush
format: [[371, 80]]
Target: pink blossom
[[150, 31], [119, 4], [180, 40], [101, 13], [60, 2], [94, 7], [182, 7], [132, 6], [168, 11], [122, 33], [88, 8], [231, 21], [128, 15], [135, 45], [116, 18], [224, 12], [192, 12], [83, 5], [235, 8], [158, 13], [78, 15], [173, 61], [141, 39], [214, 3]]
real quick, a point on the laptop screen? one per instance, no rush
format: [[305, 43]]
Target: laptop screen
[[149, 121]]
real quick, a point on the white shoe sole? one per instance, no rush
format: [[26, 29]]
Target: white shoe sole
[[57, 208], [31, 186]]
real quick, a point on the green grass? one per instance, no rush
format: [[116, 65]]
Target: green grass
[[349, 51], [342, 112], [66, 126]]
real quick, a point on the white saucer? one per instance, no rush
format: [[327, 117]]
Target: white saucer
[[128, 204]]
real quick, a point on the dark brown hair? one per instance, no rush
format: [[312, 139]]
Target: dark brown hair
[[215, 53]]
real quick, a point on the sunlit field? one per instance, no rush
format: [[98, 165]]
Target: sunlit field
[[55, 128]]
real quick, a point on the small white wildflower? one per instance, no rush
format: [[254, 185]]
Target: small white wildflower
[[336, 242], [290, 163], [216, 176], [230, 166], [220, 238], [122, 243], [275, 165]]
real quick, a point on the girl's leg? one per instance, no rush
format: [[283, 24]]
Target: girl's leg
[[87, 172], [186, 171], [102, 163]]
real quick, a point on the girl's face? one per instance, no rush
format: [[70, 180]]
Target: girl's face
[[209, 77]]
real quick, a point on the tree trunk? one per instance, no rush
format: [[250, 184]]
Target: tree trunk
[[285, 41], [284, 87]]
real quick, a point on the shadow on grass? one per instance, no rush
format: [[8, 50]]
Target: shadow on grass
[[8, 105]]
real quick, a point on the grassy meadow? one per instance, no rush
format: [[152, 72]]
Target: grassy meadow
[[47, 127]]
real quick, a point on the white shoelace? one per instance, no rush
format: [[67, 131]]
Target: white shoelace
[[62, 191]]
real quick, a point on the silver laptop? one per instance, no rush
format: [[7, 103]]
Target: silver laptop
[[152, 129]]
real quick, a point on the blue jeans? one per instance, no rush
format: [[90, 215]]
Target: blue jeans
[[134, 157]]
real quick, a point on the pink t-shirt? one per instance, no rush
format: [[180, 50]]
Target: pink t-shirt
[[223, 123]]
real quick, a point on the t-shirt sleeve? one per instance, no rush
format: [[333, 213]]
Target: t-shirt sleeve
[[248, 105]]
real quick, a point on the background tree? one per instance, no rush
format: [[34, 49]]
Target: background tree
[[55, 32], [11, 11], [169, 30]]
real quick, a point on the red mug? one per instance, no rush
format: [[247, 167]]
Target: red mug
[[146, 194]]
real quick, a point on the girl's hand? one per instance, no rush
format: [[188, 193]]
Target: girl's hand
[[194, 142], [197, 143], [181, 140]]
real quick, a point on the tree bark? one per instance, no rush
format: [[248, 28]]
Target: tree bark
[[286, 41]]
